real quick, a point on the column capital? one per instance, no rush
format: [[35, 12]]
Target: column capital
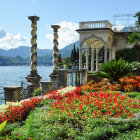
[[34, 19], [55, 27]]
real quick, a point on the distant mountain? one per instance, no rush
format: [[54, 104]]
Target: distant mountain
[[21, 55], [23, 51], [66, 51]]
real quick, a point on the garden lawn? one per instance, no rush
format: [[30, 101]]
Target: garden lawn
[[76, 115]]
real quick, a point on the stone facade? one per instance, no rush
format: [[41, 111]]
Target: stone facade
[[97, 35]]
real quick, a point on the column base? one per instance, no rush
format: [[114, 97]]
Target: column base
[[34, 78]]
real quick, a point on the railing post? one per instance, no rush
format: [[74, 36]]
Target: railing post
[[12, 94], [30, 88], [83, 76], [47, 86]]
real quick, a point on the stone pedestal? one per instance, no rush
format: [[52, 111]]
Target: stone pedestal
[[12, 94], [62, 78], [83, 76], [59, 79], [47, 86], [30, 89], [54, 79]]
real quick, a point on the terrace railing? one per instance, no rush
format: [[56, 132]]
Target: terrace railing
[[73, 78], [95, 24]]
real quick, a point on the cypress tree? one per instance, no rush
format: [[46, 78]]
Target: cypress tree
[[72, 56], [74, 53], [59, 58], [77, 54]]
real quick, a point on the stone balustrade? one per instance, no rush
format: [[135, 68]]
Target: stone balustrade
[[95, 24]]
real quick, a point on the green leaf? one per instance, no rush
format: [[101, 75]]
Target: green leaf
[[2, 126]]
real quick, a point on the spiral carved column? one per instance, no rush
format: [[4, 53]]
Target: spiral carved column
[[55, 48], [34, 77], [55, 75]]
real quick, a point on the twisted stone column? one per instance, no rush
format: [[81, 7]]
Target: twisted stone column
[[34, 77], [33, 42], [55, 48]]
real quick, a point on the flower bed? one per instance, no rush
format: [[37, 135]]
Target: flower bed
[[127, 84], [98, 104], [104, 85], [70, 114], [130, 84], [18, 111], [61, 93]]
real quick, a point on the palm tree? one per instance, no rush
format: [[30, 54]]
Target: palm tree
[[116, 69]]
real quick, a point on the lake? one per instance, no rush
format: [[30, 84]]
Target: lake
[[13, 75]]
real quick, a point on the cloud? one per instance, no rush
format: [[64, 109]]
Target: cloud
[[67, 34], [8, 41]]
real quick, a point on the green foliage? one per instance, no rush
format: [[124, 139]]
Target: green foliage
[[135, 95], [127, 54], [36, 92], [137, 14], [14, 137], [73, 59], [60, 63], [116, 69], [41, 125], [2, 126], [134, 38]]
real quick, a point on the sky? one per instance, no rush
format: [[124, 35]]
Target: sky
[[15, 28]]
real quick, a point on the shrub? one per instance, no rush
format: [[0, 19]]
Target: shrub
[[36, 92], [116, 69]]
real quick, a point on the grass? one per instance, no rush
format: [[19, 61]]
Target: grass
[[135, 95], [60, 126]]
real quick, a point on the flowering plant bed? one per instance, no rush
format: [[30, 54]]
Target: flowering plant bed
[[127, 84], [18, 111], [69, 113]]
